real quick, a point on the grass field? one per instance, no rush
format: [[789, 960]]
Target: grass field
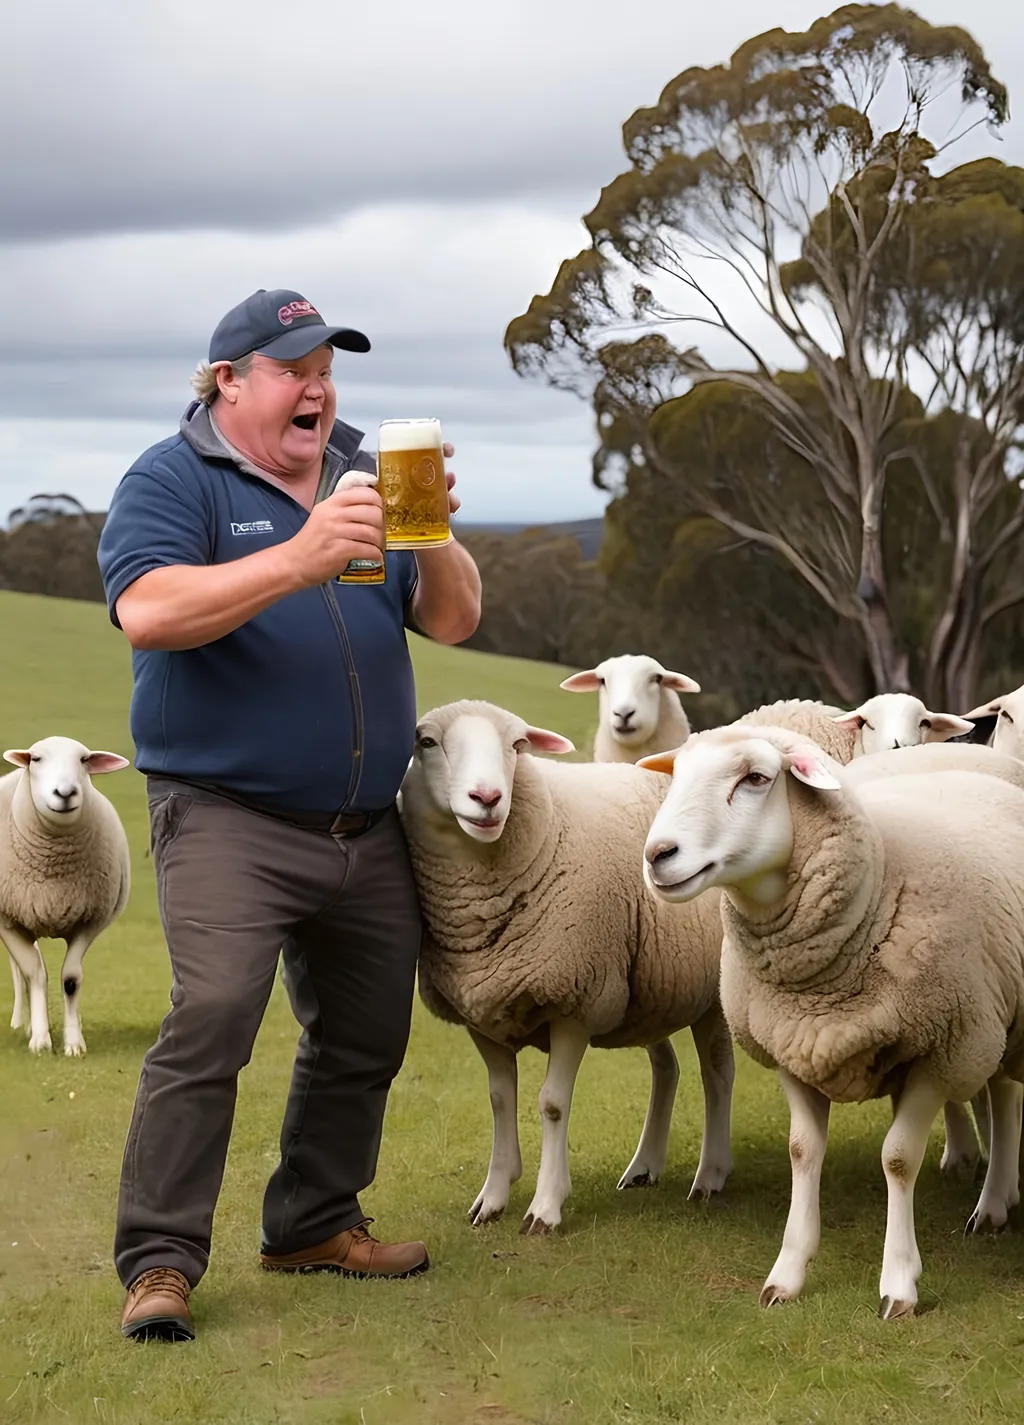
[[643, 1310]]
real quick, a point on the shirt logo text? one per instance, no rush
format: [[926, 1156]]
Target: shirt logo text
[[251, 527]]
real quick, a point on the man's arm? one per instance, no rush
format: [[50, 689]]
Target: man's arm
[[179, 605], [446, 600]]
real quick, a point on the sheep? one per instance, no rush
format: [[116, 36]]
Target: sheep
[[886, 721], [867, 731], [538, 932], [1005, 716], [64, 872], [846, 910], [639, 711]]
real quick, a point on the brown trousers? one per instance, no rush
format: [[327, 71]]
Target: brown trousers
[[235, 888]]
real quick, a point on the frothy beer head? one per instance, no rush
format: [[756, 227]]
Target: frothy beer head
[[400, 435]]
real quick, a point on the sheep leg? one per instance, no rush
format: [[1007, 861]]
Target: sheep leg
[[506, 1165], [18, 1014], [652, 1151], [71, 985], [1001, 1189], [902, 1155], [981, 1117], [569, 1041], [808, 1137], [29, 959], [961, 1153], [717, 1071]]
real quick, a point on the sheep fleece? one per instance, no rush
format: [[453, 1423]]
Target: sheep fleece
[[901, 939], [554, 919]]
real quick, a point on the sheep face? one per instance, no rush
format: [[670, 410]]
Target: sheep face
[[630, 694], [466, 765], [58, 771], [726, 820], [892, 720], [1008, 711]]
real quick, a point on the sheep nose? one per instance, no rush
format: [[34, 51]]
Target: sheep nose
[[657, 851], [66, 792], [624, 714], [487, 797]]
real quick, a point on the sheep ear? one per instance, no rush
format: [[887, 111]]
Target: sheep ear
[[681, 682], [853, 719], [659, 761], [810, 767], [945, 725], [19, 758], [97, 762], [992, 709], [586, 682], [543, 741]]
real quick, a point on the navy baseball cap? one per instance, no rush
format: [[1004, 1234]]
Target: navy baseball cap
[[280, 324]]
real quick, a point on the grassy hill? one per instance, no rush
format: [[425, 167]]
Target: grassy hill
[[643, 1310]]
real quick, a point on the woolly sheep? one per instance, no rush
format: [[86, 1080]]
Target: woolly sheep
[[64, 872], [886, 721], [1007, 716], [539, 932], [846, 910], [639, 711]]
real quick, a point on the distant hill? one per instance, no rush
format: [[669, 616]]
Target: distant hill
[[588, 532]]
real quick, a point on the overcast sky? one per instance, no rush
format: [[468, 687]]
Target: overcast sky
[[417, 171]]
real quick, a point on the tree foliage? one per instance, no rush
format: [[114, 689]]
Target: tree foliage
[[794, 191]]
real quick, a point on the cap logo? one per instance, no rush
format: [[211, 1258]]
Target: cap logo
[[287, 314]]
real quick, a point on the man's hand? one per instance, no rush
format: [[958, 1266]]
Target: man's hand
[[453, 500], [347, 525]]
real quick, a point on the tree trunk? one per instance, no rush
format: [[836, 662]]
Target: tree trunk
[[888, 662]]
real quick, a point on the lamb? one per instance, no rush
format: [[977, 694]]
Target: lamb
[[1004, 717], [847, 906], [64, 872], [539, 932], [639, 711]]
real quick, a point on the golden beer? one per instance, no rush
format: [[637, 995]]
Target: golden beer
[[411, 482]]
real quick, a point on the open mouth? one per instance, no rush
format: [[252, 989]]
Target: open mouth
[[306, 422]]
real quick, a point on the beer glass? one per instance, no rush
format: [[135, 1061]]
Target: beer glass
[[410, 470]]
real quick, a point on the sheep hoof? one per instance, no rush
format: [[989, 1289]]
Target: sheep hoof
[[479, 1218], [891, 1308], [74, 1048], [636, 1180], [772, 1295], [41, 1045], [958, 1168], [982, 1223], [535, 1227]]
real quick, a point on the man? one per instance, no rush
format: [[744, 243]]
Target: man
[[273, 712]]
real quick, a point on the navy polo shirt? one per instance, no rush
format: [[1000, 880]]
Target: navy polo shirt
[[310, 705]]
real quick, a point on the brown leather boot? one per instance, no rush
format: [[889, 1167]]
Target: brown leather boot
[[353, 1253], [156, 1307]]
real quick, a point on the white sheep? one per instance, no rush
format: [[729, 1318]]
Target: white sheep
[[64, 873], [1007, 735], [891, 720], [539, 932], [873, 945], [883, 723], [639, 711]]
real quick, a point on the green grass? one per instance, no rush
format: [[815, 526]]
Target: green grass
[[644, 1309]]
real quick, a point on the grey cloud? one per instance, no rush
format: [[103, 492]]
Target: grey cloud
[[129, 117]]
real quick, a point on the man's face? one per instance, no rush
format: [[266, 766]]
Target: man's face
[[283, 411]]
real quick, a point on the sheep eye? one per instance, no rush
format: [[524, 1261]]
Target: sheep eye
[[926, 723], [1004, 713], [600, 682], [35, 757], [657, 678], [757, 779], [428, 742]]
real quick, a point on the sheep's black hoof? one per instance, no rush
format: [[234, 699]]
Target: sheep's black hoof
[[643, 1179], [772, 1295], [535, 1227], [891, 1308]]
